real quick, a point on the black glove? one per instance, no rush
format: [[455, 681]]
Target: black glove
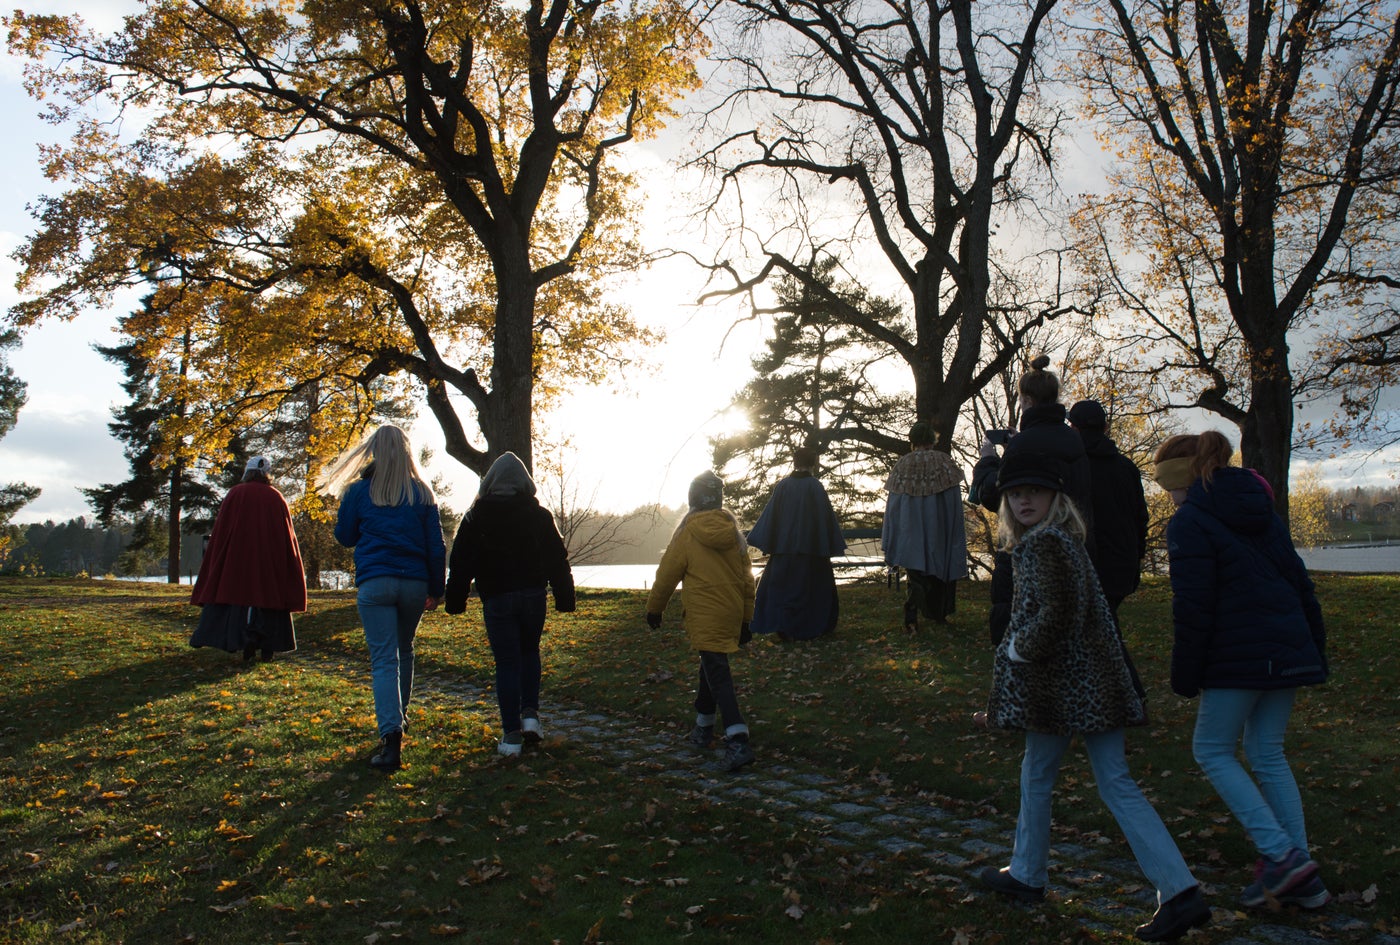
[[654, 621], [745, 634]]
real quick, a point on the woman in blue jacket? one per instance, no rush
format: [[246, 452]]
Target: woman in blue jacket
[[389, 515], [1248, 633]]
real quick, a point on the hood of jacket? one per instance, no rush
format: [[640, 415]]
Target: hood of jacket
[[507, 476], [1097, 444], [1236, 497], [715, 528]]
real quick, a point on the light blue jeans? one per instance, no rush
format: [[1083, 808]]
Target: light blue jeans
[[1152, 845], [1267, 805], [390, 609]]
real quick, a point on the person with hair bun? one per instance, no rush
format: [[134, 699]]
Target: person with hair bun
[[389, 515], [1042, 430], [1248, 632]]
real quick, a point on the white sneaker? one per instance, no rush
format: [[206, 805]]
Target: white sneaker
[[530, 730], [510, 744]]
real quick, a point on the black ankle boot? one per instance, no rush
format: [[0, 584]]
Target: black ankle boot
[[387, 757]]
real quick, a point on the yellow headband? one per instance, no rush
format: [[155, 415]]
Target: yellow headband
[[1175, 473]]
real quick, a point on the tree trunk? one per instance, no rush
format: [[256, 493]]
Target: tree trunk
[[172, 569], [507, 422], [1266, 438]]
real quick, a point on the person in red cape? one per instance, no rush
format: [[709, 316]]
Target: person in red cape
[[251, 580]]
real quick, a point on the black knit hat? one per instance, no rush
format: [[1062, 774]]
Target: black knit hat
[[1031, 469], [1088, 415], [706, 491]]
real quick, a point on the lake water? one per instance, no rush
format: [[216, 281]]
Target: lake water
[[1384, 559]]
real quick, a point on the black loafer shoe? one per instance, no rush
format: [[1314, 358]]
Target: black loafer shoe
[[1003, 882], [1177, 916]]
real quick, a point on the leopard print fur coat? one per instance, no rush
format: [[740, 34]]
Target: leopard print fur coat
[[1074, 679]]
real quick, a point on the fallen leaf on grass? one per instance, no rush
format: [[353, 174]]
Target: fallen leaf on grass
[[794, 911]]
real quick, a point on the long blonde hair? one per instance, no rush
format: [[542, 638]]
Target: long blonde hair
[[1062, 512], [395, 480]]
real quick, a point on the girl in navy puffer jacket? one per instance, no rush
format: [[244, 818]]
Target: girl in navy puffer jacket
[[1248, 633]]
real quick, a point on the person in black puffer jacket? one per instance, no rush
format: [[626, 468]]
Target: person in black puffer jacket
[[1248, 633], [1119, 509], [1043, 431], [508, 543]]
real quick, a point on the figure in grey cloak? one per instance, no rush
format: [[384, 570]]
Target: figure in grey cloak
[[924, 532], [799, 532]]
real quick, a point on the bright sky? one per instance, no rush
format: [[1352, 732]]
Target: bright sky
[[640, 440]]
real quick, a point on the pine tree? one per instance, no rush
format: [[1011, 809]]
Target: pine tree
[[160, 489], [815, 386], [14, 495]]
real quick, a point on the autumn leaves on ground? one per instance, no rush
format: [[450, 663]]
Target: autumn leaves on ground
[[156, 794]]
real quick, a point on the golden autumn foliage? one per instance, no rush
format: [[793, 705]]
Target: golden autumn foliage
[[378, 200]]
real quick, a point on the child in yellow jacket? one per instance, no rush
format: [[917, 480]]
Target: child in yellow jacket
[[709, 557]]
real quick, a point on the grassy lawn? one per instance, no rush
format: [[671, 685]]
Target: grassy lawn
[[150, 793]]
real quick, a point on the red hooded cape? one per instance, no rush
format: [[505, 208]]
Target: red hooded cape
[[253, 558]]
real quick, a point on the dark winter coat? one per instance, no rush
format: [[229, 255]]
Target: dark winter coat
[[508, 543], [1074, 679], [1243, 606], [1043, 430], [1119, 516]]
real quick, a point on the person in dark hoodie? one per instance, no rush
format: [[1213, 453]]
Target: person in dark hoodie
[[1248, 632], [508, 543], [1042, 431], [799, 532], [1119, 509], [1118, 503]]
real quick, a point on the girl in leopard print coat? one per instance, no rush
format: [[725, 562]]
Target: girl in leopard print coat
[[1060, 673]]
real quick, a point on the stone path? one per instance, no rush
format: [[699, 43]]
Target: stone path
[[861, 820]]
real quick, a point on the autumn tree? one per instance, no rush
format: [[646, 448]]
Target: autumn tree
[[342, 193], [1249, 213], [900, 138]]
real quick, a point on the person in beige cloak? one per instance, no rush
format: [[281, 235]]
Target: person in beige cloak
[[709, 557], [924, 532]]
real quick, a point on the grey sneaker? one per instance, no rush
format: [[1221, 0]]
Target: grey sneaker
[[1275, 879], [701, 736], [530, 729], [737, 753], [510, 744], [1310, 895]]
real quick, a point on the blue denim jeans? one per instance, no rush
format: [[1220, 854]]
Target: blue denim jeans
[[390, 609], [1270, 809], [514, 623], [1147, 836]]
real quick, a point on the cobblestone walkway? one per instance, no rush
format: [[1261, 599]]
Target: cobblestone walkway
[[861, 820]]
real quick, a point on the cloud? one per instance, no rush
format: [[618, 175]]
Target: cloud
[[60, 450]]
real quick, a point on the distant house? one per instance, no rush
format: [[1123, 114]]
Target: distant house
[[1349, 512], [1383, 511]]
